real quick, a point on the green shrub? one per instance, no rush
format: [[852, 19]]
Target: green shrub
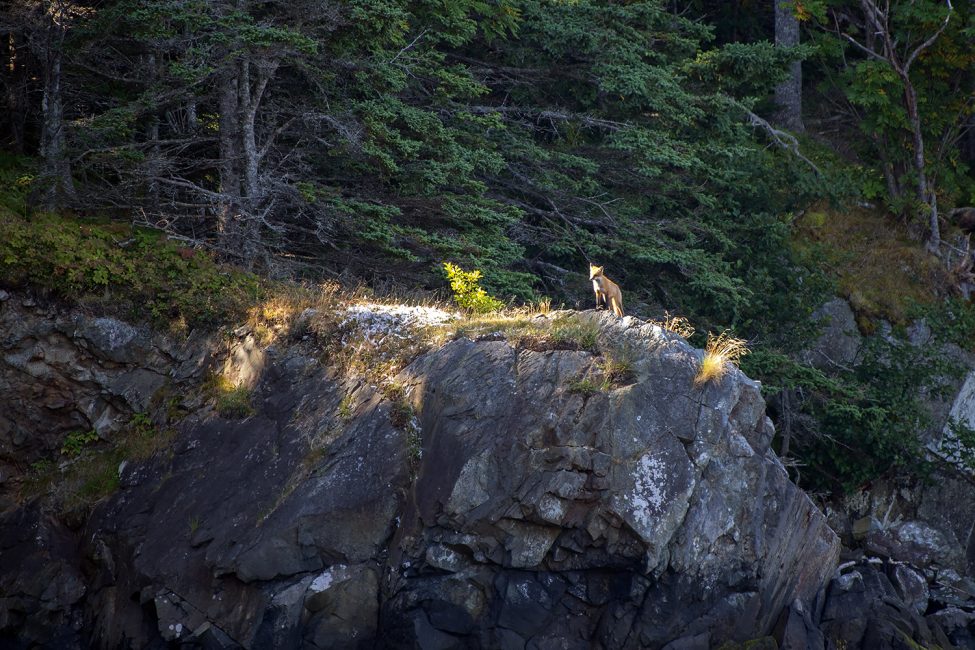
[[131, 271], [77, 441], [16, 176], [586, 386], [345, 408], [235, 403], [855, 424], [617, 366], [401, 412], [468, 292]]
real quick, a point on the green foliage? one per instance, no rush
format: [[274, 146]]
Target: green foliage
[[586, 386], [617, 366], [345, 408], [401, 412], [414, 449], [231, 400], [16, 176], [862, 422], [136, 273], [959, 445], [77, 442], [520, 139], [100, 483], [468, 293], [876, 92], [91, 472], [486, 133], [747, 69]]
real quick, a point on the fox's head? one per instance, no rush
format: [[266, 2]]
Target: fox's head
[[595, 271]]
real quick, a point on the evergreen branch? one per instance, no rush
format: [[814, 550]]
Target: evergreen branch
[[561, 116]]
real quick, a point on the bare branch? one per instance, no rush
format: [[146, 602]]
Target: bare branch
[[409, 46], [926, 44], [781, 138]]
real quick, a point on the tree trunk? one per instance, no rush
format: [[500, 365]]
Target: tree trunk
[[924, 195], [887, 167], [229, 149], [788, 94], [16, 85], [250, 101], [56, 166], [248, 115], [152, 137], [192, 121]]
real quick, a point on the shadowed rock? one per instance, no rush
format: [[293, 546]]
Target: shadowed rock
[[648, 513]]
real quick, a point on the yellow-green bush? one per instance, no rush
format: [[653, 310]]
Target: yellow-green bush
[[468, 292]]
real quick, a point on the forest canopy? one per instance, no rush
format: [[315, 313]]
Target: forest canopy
[[519, 138]]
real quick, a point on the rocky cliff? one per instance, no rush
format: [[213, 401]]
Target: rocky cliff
[[495, 497]]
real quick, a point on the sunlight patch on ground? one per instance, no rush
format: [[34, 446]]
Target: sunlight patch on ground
[[375, 322]]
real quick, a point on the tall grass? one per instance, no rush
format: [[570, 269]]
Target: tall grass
[[718, 353]]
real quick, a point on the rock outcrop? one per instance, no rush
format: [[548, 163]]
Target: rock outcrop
[[506, 507]]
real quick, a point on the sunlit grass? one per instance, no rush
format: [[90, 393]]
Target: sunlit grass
[[676, 324], [720, 351], [231, 400]]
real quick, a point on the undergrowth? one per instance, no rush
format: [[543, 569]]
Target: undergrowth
[[131, 272], [231, 400], [875, 265], [87, 468]]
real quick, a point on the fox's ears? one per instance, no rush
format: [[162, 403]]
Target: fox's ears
[[594, 269]]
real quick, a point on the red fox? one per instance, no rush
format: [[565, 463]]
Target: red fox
[[608, 293]]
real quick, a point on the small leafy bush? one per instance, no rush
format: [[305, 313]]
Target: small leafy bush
[[77, 441], [468, 292]]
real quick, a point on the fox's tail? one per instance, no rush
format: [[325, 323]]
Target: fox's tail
[[617, 307]]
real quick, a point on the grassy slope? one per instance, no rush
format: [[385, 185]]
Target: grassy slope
[[875, 265]]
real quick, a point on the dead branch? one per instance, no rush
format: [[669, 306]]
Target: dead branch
[[783, 139]]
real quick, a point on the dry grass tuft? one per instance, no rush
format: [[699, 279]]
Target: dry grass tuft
[[720, 350], [276, 316], [676, 324], [542, 306]]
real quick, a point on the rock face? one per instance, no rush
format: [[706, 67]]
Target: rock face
[[839, 340], [511, 509], [65, 371], [629, 518]]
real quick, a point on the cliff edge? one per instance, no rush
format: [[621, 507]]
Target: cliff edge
[[502, 494]]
